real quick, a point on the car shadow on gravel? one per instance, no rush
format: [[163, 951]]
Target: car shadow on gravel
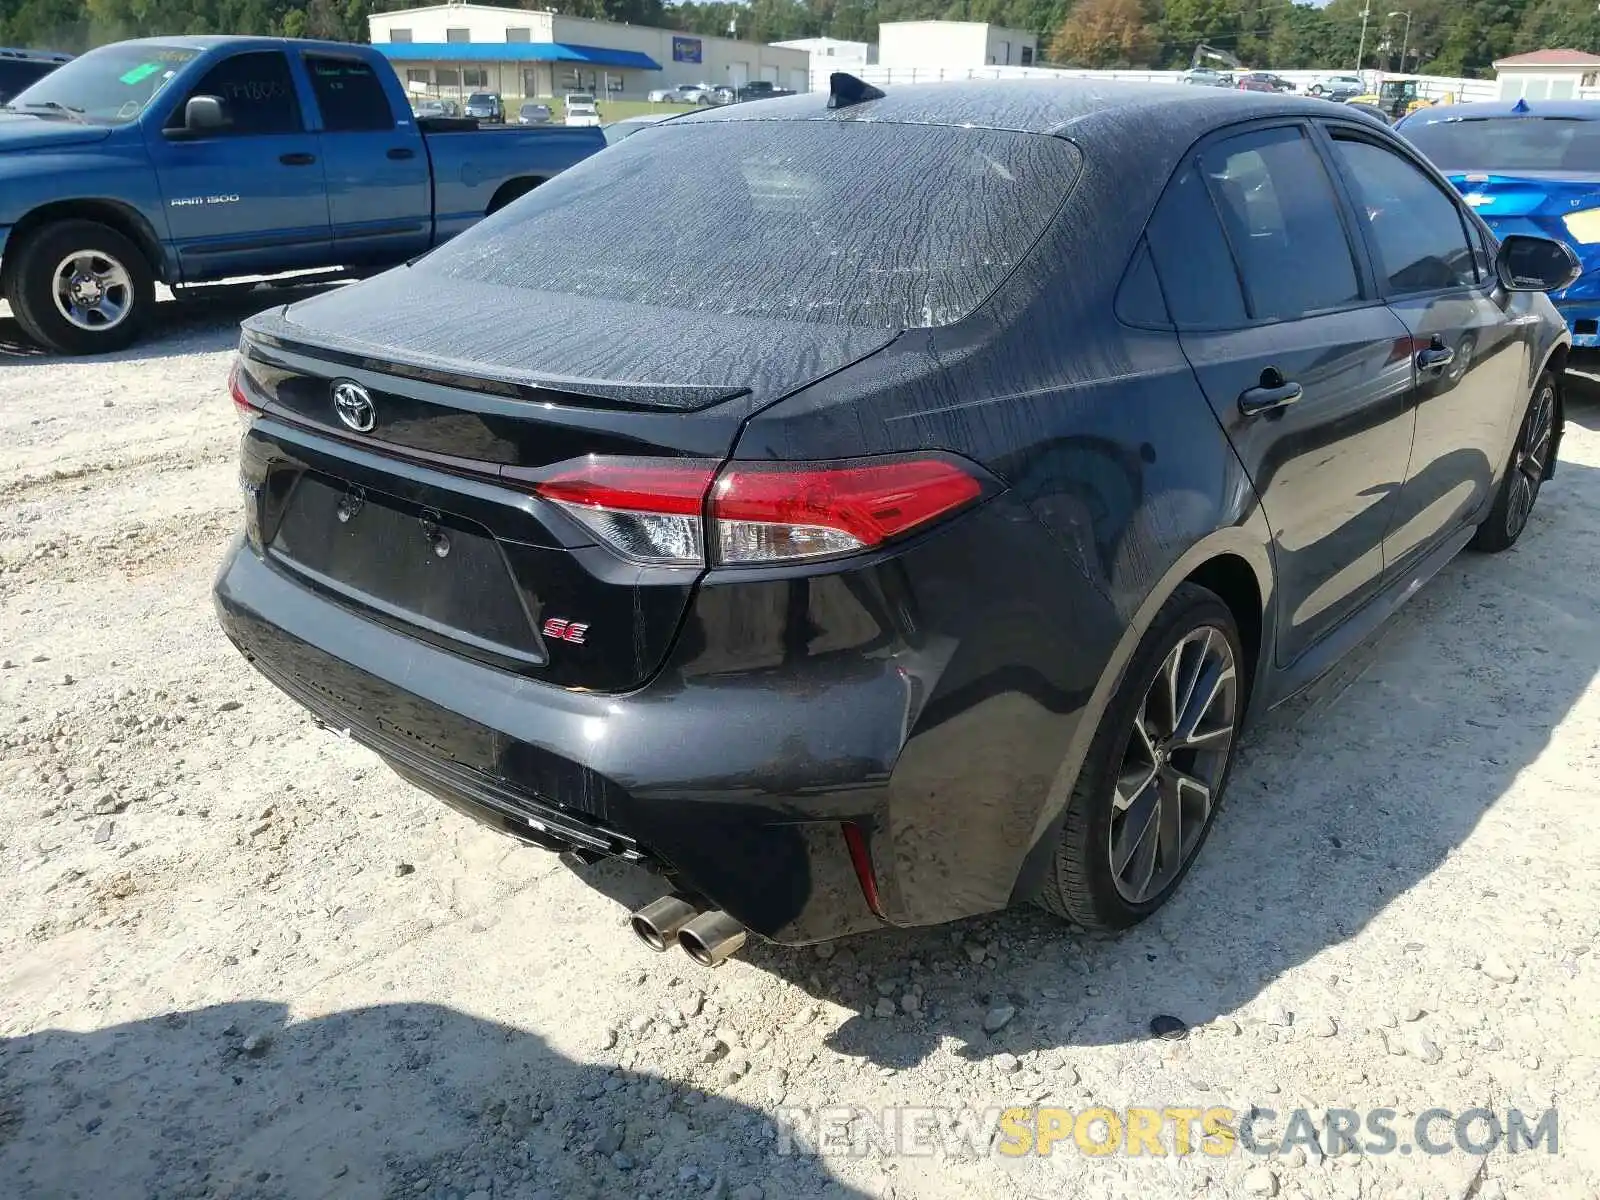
[[1341, 801], [195, 324], [235, 1100]]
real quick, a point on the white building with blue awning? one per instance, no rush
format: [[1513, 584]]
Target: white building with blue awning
[[454, 49]]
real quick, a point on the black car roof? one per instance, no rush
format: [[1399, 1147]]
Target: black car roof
[[1070, 106]]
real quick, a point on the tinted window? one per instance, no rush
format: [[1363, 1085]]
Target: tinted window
[[1505, 145], [16, 74], [887, 226], [1416, 229], [1191, 256], [257, 95], [1282, 219], [349, 94], [1139, 299]]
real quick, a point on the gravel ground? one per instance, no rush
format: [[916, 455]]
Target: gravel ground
[[238, 958]]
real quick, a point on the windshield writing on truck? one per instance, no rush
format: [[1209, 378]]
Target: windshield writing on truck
[[1507, 145], [111, 85]]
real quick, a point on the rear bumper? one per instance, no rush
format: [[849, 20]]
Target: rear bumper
[[921, 698], [615, 776]]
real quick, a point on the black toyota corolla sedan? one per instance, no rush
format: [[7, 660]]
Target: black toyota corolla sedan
[[903, 500]]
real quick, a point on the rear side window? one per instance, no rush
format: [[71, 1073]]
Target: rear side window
[[1192, 258], [349, 94], [1416, 229], [16, 74], [257, 95], [885, 226], [1281, 216]]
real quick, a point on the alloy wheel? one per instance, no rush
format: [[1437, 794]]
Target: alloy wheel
[[1530, 459], [1173, 766], [92, 290]]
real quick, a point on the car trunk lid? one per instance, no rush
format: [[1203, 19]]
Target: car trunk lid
[[420, 510]]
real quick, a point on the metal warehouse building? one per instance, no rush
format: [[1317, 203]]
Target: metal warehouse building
[[515, 52]]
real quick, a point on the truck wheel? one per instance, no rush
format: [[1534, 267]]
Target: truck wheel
[[79, 287]]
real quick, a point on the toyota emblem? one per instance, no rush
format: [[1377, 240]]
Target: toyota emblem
[[354, 405]]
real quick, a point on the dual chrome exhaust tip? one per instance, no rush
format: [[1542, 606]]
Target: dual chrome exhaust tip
[[709, 937]]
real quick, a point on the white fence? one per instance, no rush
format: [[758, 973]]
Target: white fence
[[1435, 87]]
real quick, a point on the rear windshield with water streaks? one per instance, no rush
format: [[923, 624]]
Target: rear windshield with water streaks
[[882, 226], [1507, 145]]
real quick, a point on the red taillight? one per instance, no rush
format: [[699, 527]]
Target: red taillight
[[646, 509], [861, 860], [769, 512], [247, 412], [668, 486], [654, 510]]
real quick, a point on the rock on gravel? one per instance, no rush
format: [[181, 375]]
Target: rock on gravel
[[1497, 969], [1420, 1047], [1260, 1181], [998, 1018]]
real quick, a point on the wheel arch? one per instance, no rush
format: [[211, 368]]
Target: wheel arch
[[1236, 564], [1556, 363], [510, 190], [113, 214]]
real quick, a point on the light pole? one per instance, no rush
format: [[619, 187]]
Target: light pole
[[1361, 50], [1405, 38]]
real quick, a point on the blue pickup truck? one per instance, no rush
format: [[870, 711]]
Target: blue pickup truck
[[189, 160]]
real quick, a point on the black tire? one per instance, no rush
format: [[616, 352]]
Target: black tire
[[31, 287], [1528, 467], [1081, 885], [1316, 89]]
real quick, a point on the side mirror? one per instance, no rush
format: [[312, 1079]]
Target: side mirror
[[1535, 264], [201, 115]]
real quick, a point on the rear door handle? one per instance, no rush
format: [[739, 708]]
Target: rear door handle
[[400, 153], [300, 159], [1273, 392], [1436, 355]]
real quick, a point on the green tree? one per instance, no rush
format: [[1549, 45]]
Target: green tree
[[1104, 34]]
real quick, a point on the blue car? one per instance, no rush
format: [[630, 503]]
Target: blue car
[[1528, 168]]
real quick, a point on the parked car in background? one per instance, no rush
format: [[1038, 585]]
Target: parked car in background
[[694, 93], [1274, 83], [1371, 110], [581, 109], [189, 160], [1527, 167], [1337, 87], [534, 113], [760, 89], [723, 95], [664, 95], [486, 106], [1203, 77], [20, 68], [615, 131], [437, 108], [854, 597]]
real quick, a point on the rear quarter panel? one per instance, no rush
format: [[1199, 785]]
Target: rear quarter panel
[[470, 167], [1120, 482]]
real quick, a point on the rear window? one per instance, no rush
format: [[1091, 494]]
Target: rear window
[[16, 74], [883, 226], [1508, 145]]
